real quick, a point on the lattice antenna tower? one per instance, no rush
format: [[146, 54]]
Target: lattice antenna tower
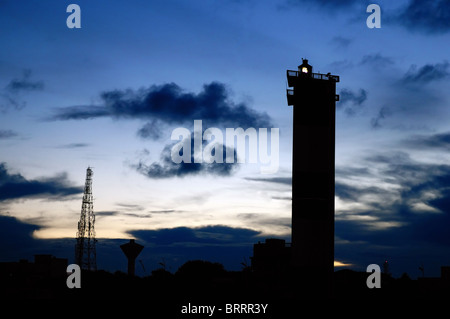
[[85, 254]]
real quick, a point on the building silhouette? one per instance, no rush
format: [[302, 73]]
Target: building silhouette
[[44, 265], [272, 256], [313, 97], [311, 263], [33, 280]]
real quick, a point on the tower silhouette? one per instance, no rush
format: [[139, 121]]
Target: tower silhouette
[[85, 254], [313, 96], [131, 251]]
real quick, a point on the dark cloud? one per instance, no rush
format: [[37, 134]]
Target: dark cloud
[[151, 130], [278, 180], [347, 96], [436, 141], [412, 177], [226, 245], [167, 168], [5, 134], [341, 42], [407, 191], [106, 213], [351, 102], [165, 211], [169, 104], [24, 83], [121, 213], [10, 101], [413, 99], [405, 207], [376, 60], [350, 172], [282, 198], [427, 73], [12, 93], [130, 207], [13, 186], [383, 113], [17, 243], [206, 235], [258, 220], [74, 145], [173, 247], [79, 112], [15, 236], [354, 192], [425, 16], [138, 215]]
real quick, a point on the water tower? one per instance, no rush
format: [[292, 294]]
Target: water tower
[[131, 250]]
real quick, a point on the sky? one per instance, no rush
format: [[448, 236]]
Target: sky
[[111, 94]]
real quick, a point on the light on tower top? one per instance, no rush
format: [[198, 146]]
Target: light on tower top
[[305, 68]]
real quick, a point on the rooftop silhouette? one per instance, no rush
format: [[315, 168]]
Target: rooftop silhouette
[[45, 278]]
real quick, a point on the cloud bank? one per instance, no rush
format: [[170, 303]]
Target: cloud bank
[[13, 91], [391, 204], [427, 73], [14, 186], [169, 104], [167, 168], [426, 16], [351, 102], [6, 134]]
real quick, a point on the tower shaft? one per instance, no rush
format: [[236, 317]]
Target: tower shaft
[[85, 253], [313, 168]]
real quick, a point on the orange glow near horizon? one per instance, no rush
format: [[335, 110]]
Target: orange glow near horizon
[[341, 264]]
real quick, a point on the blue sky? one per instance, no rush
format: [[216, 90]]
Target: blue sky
[[109, 95]]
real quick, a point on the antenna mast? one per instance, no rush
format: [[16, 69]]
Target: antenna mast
[[85, 254]]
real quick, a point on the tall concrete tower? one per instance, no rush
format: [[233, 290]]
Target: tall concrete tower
[[313, 96]]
